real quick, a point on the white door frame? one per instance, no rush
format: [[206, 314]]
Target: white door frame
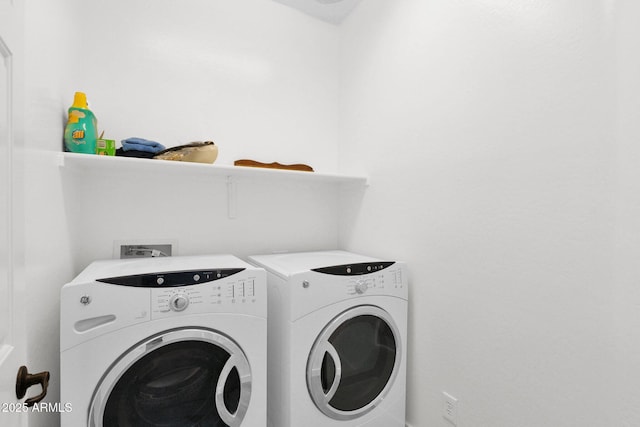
[[12, 288]]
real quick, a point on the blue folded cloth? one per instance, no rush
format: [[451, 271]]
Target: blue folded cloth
[[141, 144]]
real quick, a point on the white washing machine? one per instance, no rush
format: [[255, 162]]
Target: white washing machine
[[171, 341], [337, 340]]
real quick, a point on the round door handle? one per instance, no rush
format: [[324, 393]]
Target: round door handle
[[25, 380]]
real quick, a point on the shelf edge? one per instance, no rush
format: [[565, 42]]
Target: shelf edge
[[71, 161]]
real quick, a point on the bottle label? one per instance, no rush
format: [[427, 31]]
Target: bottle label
[[75, 116], [78, 134]]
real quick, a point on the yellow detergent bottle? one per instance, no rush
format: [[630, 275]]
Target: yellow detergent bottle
[[81, 131]]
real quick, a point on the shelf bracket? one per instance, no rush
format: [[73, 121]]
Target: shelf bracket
[[232, 198], [60, 160]]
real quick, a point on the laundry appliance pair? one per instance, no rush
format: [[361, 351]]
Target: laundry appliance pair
[[182, 341]]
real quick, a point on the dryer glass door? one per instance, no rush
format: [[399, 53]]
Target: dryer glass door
[[184, 377], [353, 362]]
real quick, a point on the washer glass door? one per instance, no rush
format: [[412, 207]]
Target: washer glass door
[[187, 377], [353, 362]]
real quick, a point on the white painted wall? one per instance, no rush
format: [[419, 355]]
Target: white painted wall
[[488, 132], [626, 290], [262, 85], [257, 78]]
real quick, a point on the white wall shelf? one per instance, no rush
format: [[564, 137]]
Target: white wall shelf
[[87, 163], [75, 161]]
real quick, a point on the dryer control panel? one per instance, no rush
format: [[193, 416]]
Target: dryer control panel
[[368, 282], [357, 269], [376, 282], [362, 278]]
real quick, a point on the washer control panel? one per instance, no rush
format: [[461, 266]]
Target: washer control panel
[[230, 294], [171, 278]]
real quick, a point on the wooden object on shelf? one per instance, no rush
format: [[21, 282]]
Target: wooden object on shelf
[[274, 165]]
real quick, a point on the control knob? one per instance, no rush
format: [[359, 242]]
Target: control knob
[[361, 287], [179, 302]]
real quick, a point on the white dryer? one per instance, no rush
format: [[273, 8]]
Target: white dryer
[[171, 341], [337, 340]]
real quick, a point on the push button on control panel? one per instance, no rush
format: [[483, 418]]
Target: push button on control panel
[[250, 288]]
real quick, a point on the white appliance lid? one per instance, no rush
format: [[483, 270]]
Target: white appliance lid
[[128, 267], [287, 264]]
